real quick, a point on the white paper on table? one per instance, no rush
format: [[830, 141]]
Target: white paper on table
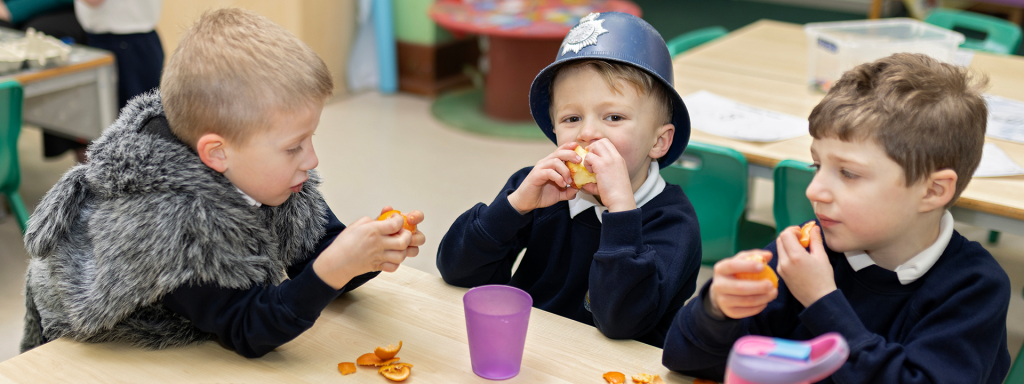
[[720, 116], [1005, 118], [995, 163], [963, 57]]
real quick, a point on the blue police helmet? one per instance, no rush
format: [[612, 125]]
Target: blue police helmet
[[623, 38]]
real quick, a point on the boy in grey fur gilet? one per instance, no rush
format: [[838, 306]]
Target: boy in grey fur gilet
[[121, 245]]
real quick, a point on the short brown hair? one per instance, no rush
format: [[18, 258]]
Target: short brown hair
[[926, 115], [642, 82], [234, 68]]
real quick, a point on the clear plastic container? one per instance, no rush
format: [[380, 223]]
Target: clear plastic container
[[836, 47]]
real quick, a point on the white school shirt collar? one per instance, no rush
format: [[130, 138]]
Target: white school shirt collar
[[648, 190], [249, 199], [918, 265]]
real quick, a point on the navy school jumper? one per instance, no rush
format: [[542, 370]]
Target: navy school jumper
[[949, 326], [639, 266]]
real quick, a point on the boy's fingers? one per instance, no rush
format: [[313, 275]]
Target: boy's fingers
[[740, 287], [361, 221], [388, 267], [414, 217], [418, 239], [817, 247], [390, 225], [790, 241], [412, 251], [737, 264], [385, 209], [393, 257]]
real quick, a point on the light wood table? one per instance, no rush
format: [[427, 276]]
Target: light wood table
[[77, 100], [409, 305], [765, 65]]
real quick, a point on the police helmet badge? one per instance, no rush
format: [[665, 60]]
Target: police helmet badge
[[583, 34]]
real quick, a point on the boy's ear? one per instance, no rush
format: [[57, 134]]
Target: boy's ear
[[939, 190], [665, 134], [211, 148]]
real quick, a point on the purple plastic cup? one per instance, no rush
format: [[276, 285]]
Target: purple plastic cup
[[496, 321]]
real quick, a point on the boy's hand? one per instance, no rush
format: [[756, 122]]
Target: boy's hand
[[613, 184], [418, 239], [368, 245], [547, 182], [808, 275], [738, 298]]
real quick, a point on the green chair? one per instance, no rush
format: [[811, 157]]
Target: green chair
[[717, 187], [1016, 374], [10, 126], [791, 206], [1001, 36], [684, 42]]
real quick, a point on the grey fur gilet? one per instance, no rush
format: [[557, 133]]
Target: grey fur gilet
[[141, 218]]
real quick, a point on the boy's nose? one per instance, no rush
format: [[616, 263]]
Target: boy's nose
[[817, 192], [311, 161], [589, 133]]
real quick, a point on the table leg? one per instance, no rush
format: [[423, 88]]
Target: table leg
[[514, 62]]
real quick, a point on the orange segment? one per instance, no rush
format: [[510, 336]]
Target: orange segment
[[369, 359], [614, 378], [766, 274], [389, 352], [387, 215], [399, 373], [805, 234], [346, 368]]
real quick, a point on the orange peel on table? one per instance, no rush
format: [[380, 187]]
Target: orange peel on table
[[389, 352], [805, 234], [614, 377], [579, 173], [704, 381], [396, 372], [646, 378], [346, 368], [766, 274], [405, 225], [368, 359]]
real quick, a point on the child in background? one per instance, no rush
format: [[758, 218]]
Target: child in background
[[895, 143], [621, 254], [199, 201]]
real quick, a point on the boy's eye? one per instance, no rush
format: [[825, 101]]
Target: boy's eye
[[816, 167], [295, 150], [571, 119], [614, 118], [847, 174]]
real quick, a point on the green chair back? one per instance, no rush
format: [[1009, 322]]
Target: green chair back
[[791, 206], [684, 42], [11, 96], [717, 188], [1002, 36]]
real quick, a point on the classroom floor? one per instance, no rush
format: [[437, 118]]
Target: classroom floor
[[379, 150]]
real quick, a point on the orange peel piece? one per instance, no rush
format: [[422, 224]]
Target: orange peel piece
[[396, 372], [389, 352], [614, 377], [405, 225], [643, 378], [392, 367], [805, 234], [346, 368], [766, 274], [704, 381], [387, 362], [369, 359]]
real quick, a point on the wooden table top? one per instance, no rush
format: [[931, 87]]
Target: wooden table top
[[765, 65], [409, 305]]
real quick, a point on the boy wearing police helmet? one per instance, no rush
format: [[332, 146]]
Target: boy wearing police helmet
[[621, 254]]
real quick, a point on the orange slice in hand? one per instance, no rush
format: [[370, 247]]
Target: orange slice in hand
[[346, 368], [805, 234], [387, 215], [766, 274], [614, 378], [389, 352], [369, 359], [396, 372]]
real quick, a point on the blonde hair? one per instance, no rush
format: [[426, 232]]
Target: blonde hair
[[232, 70], [926, 115], [642, 82]]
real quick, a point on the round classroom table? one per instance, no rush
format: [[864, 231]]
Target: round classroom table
[[524, 36]]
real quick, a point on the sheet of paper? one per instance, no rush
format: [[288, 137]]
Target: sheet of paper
[[995, 163], [963, 57], [1005, 118], [720, 116]]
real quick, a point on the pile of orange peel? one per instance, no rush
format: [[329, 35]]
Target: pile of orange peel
[[640, 378], [386, 359]]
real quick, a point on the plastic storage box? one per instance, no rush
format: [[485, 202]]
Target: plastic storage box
[[836, 47]]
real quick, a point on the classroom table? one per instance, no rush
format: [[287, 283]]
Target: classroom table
[[408, 305], [77, 100], [764, 64]]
